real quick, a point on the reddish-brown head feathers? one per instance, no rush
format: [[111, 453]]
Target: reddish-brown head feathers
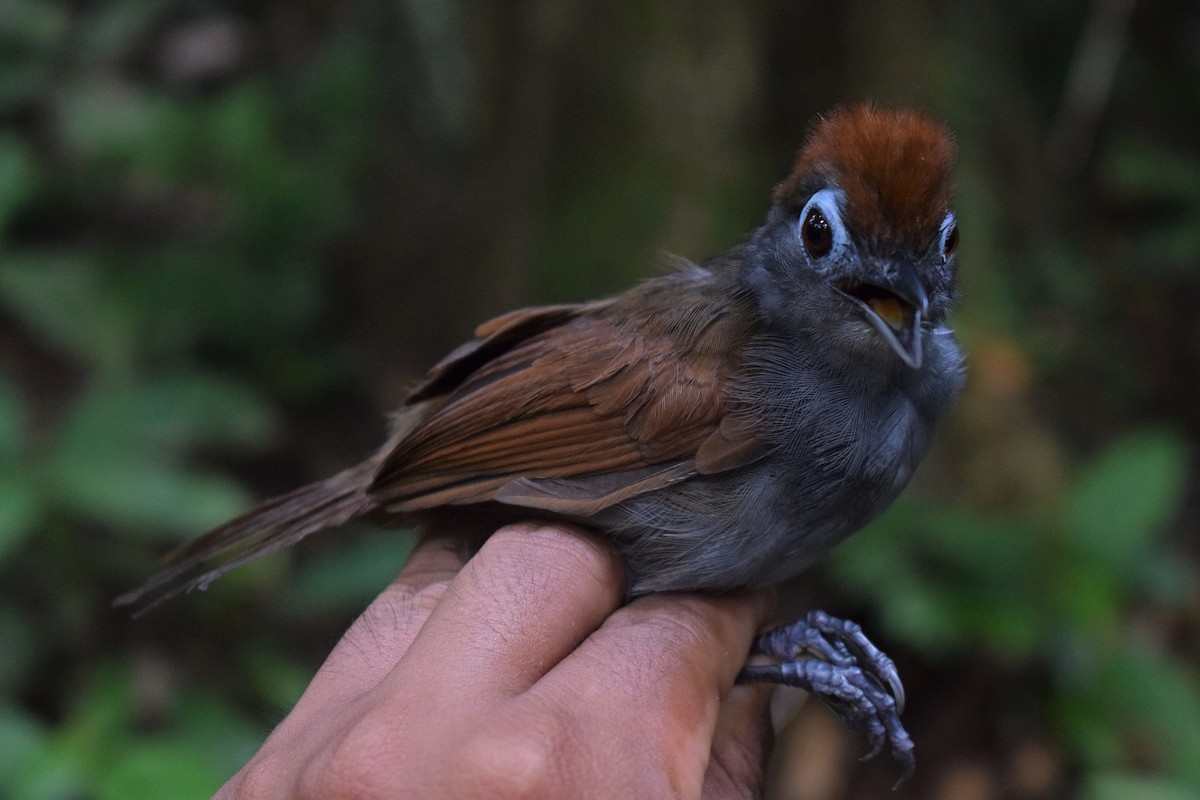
[[893, 165]]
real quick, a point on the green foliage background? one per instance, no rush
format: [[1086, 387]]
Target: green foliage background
[[232, 233]]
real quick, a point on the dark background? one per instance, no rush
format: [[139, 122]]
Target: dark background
[[231, 234]]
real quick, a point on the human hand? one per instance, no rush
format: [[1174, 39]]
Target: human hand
[[520, 674]]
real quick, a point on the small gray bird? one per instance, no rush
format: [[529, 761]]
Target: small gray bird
[[722, 426]]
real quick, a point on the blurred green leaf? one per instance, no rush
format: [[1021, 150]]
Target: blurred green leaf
[[1125, 498], [924, 616], [218, 730], [21, 738], [159, 769], [61, 298], [606, 219], [101, 715], [946, 577], [175, 411], [1088, 596], [110, 121], [20, 647], [108, 30], [1153, 171], [177, 301], [1169, 180], [1008, 626], [347, 578], [51, 766], [1168, 579], [20, 509], [243, 121], [1135, 695], [13, 421], [1131, 786], [119, 457], [30, 31], [997, 551], [49, 774], [32, 22], [19, 504], [1155, 698], [279, 679], [1089, 732], [144, 496], [17, 178]]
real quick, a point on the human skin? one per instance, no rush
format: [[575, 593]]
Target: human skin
[[519, 673]]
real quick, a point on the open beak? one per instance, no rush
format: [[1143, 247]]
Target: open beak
[[895, 305]]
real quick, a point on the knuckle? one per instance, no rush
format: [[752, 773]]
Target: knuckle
[[261, 779], [420, 594], [559, 557], [351, 768], [426, 599], [400, 610], [672, 625], [509, 767], [503, 764]]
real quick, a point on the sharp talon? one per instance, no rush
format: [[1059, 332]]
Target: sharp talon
[[893, 680], [909, 766]]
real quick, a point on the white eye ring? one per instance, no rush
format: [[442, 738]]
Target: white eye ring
[[949, 238], [827, 203]]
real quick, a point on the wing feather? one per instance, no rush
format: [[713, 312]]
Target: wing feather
[[569, 409]]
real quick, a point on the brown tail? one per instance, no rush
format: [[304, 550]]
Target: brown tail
[[266, 528]]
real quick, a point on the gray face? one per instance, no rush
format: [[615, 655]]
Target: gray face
[[871, 294]]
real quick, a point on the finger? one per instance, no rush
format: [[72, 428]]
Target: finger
[[525, 601], [655, 673], [367, 652], [376, 640], [741, 743]]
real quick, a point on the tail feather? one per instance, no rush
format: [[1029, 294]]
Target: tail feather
[[272, 525]]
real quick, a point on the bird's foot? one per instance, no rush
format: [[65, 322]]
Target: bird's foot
[[833, 659]]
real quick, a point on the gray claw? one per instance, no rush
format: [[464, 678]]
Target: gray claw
[[833, 659], [893, 681]]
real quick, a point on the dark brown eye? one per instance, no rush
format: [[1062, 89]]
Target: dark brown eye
[[950, 243], [817, 234]]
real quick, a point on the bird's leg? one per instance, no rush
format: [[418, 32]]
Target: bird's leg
[[833, 659]]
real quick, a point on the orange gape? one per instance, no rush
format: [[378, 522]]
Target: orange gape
[[722, 426]]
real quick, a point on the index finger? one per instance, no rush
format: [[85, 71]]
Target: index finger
[[383, 632], [530, 595], [656, 671]]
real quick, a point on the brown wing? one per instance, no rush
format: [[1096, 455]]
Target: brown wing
[[570, 409], [566, 409]]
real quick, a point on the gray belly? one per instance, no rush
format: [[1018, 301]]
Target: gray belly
[[762, 524]]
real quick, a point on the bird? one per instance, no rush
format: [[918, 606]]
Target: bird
[[722, 425]]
